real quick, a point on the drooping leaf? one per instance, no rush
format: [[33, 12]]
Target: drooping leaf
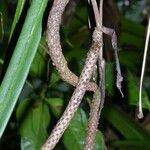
[[21, 60]]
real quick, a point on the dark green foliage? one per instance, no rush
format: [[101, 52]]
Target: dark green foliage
[[42, 96]]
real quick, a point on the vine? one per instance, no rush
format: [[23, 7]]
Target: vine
[[83, 82]]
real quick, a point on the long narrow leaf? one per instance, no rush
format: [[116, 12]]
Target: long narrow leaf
[[125, 125], [18, 12], [21, 60]]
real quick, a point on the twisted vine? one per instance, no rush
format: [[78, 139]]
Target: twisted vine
[[83, 82], [99, 95]]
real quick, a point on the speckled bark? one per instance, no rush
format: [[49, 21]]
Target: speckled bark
[[78, 93], [55, 49], [82, 83], [59, 61]]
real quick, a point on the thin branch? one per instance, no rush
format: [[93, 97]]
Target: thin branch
[[96, 13]]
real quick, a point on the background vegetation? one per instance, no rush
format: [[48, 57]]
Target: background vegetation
[[44, 95]]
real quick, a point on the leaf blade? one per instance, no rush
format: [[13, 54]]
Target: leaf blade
[[126, 126], [18, 12], [74, 136], [21, 60]]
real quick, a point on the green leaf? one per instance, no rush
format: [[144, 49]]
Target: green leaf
[[74, 136], [132, 27], [54, 78], [133, 92], [132, 144], [38, 67], [125, 38], [56, 106], [125, 125], [18, 12], [21, 60], [33, 124], [5, 13], [22, 107], [100, 141]]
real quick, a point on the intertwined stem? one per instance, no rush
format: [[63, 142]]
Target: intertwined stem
[[83, 83], [99, 95], [60, 63], [78, 94]]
